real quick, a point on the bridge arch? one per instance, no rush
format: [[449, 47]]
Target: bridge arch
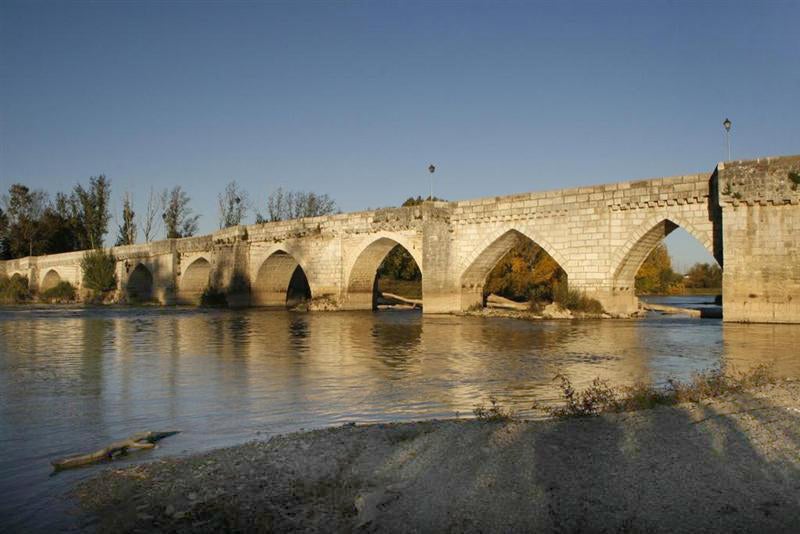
[[479, 263], [194, 281], [627, 260], [361, 278], [280, 280], [50, 280], [140, 284]]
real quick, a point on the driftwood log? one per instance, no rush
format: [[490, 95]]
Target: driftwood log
[[393, 298], [141, 440], [496, 301]]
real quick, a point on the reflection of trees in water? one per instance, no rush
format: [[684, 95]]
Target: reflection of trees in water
[[395, 339]]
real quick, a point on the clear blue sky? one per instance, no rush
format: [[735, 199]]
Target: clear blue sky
[[357, 98]]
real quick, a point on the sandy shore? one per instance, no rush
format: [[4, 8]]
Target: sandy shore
[[727, 465]]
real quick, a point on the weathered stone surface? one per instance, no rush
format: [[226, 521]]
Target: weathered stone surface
[[746, 214]]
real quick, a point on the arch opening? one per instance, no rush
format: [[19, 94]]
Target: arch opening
[[50, 280], [194, 281], [512, 268], [140, 284], [648, 267], [280, 281], [384, 275]]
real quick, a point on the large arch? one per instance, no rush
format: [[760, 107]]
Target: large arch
[[484, 259], [194, 281], [50, 280], [630, 257], [362, 276], [280, 281], [140, 284]]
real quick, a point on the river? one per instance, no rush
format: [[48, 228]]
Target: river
[[74, 379]]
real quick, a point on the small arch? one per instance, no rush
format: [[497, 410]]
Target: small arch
[[280, 281], [140, 284], [194, 281], [50, 280], [474, 276], [362, 279]]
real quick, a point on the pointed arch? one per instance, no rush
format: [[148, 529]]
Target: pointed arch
[[140, 284], [627, 260], [478, 264], [280, 281], [361, 289], [194, 281], [50, 280]]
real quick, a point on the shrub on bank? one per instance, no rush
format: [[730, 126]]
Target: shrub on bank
[[14, 290], [61, 293], [99, 271], [575, 300], [600, 397]]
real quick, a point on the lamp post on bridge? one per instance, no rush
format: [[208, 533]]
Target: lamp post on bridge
[[431, 169], [727, 124]]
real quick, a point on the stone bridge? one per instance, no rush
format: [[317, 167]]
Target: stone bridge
[[745, 213]]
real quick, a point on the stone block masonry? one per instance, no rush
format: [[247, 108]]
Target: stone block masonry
[[746, 214]]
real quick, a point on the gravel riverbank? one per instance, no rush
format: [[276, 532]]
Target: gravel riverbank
[[725, 465]]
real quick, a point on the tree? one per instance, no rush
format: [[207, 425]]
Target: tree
[[233, 204], [93, 212], [284, 205], [127, 230], [150, 223], [524, 272], [24, 209], [704, 276], [4, 252], [656, 274], [99, 270], [177, 216], [60, 227]]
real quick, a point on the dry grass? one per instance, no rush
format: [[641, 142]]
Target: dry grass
[[494, 412], [601, 397]]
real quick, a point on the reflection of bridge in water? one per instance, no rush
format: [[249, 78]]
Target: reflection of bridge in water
[[744, 213]]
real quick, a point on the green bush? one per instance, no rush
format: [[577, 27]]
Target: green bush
[[574, 300], [99, 271], [63, 292], [14, 290]]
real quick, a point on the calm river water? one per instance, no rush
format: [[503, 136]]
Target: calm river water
[[75, 379]]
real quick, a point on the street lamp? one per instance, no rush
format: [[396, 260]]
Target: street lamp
[[727, 124], [431, 169]]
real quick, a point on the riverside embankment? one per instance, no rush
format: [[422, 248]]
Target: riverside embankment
[[724, 465]]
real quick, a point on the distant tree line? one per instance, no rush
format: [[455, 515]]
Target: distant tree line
[[31, 223]]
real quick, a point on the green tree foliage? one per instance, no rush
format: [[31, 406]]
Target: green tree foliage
[[704, 276], [399, 265], [178, 218], [233, 205], [126, 234], [284, 205], [4, 252], [524, 272], [92, 210], [656, 275], [24, 209], [99, 271]]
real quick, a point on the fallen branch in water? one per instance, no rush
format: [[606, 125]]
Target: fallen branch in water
[[417, 303], [141, 440]]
